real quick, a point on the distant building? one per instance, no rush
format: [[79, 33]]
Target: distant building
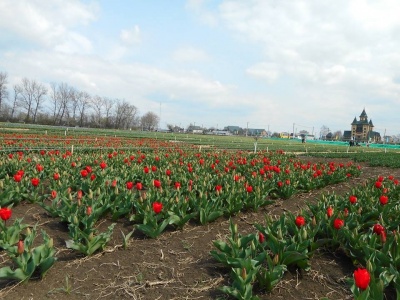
[[256, 132], [362, 130], [234, 129]]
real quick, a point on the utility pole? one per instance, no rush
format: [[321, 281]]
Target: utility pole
[[247, 129], [293, 131]]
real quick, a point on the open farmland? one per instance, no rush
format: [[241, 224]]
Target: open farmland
[[163, 216]]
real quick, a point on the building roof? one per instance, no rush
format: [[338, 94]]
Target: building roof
[[363, 114]]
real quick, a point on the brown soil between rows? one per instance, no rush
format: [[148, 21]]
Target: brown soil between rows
[[177, 265]]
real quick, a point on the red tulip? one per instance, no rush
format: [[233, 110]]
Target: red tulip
[[35, 181], [157, 183], [139, 186], [218, 188], [300, 221], [353, 199], [20, 247], [103, 165], [345, 212], [168, 172], [92, 177], [53, 194], [177, 185], [146, 170], [378, 184], [153, 168], [249, 189], [338, 223], [39, 168], [261, 237], [329, 212], [89, 210], [378, 229], [362, 278], [56, 176], [5, 213], [383, 199], [84, 173], [157, 207], [17, 178], [129, 185]]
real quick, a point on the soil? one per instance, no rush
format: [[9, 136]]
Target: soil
[[177, 265]]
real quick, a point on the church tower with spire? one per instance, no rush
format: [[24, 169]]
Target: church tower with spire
[[363, 130]]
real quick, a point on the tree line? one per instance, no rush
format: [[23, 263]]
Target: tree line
[[61, 104]]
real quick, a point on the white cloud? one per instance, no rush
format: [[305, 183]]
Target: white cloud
[[131, 36], [264, 70], [48, 23], [190, 54]]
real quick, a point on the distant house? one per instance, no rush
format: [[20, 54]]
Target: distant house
[[256, 132], [195, 129], [284, 135], [362, 130], [233, 129]]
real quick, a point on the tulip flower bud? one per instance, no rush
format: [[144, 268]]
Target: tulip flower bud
[[90, 237], [275, 261], [98, 192], [244, 273], [20, 247], [383, 237], [304, 234], [359, 210], [235, 229], [70, 197], [116, 191], [370, 267], [280, 236], [89, 210], [1, 184], [313, 221], [90, 194], [75, 219], [252, 246], [50, 243], [28, 231]]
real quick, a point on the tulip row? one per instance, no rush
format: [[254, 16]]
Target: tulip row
[[26, 259], [158, 188], [364, 223]]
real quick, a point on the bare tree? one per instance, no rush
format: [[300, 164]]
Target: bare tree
[[83, 102], [31, 97], [3, 88], [149, 121], [38, 97], [17, 93], [62, 96], [125, 115], [97, 104], [108, 105], [323, 132]]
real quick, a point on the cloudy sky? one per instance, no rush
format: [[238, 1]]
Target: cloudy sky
[[261, 63]]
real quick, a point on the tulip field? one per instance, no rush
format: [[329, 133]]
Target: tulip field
[[109, 216]]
